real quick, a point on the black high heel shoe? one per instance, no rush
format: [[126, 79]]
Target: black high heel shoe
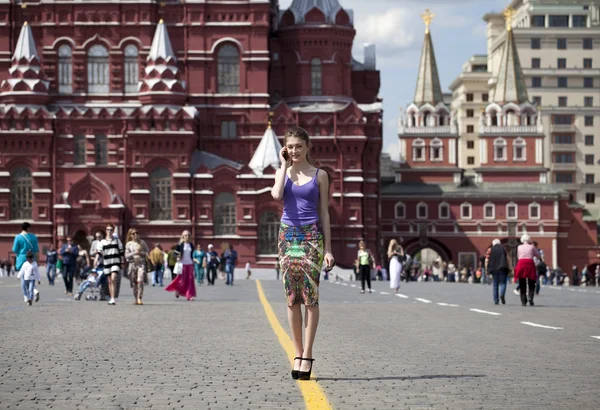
[[305, 375], [295, 372]]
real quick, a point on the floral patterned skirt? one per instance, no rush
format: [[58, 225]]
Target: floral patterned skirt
[[301, 259]]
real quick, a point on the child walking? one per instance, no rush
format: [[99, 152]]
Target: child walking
[[30, 274]]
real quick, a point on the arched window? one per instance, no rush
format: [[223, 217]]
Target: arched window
[[79, 150], [160, 194], [499, 149], [225, 214], [426, 119], [466, 211], [519, 150], [400, 211], [444, 211], [268, 233], [229, 70], [436, 148], [493, 119], [316, 74], [65, 69], [20, 194], [101, 149], [131, 69], [418, 149], [97, 66], [422, 210]]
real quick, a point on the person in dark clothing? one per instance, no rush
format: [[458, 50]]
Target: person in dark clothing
[[212, 262], [497, 266], [69, 253], [51, 259]]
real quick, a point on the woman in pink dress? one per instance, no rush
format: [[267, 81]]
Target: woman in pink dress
[[184, 284], [525, 271]]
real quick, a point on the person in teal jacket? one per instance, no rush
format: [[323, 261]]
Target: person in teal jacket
[[199, 257], [25, 242]]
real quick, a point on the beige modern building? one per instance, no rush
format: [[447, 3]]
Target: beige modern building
[[558, 43], [470, 96]]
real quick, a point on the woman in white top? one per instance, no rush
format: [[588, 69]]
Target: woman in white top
[[184, 284], [394, 253]]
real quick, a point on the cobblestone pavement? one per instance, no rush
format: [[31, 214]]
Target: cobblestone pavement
[[437, 345]]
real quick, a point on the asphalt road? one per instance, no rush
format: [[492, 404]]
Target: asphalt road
[[436, 345]]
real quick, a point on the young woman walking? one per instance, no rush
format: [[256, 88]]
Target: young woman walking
[[136, 255], [395, 254], [304, 240], [184, 284], [365, 262]]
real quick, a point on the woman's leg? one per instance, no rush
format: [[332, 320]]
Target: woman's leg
[[362, 277], [523, 291], [295, 318], [367, 273], [310, 328], [531, 290]]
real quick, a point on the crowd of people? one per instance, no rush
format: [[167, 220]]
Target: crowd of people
[[101, 269]]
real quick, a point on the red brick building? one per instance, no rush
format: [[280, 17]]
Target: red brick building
[[433, 204], [155, 116]]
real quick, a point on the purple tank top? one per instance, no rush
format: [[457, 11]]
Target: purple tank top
[[300, 202]]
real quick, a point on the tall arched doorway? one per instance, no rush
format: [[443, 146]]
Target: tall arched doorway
[[431, 247]]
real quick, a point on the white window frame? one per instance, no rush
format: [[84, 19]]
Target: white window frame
[[493, 211], [500, 143], [539, 210], [436, 144], [440, 206], [470, 210], [65, 69], [131, 69], [520, 143], [396, 216], [420, 204], [419, 143], [316, 77], [98, 74], [516, 211]]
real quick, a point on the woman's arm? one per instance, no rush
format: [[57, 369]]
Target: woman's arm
[[324, 214], [277, 190], [129, 251]]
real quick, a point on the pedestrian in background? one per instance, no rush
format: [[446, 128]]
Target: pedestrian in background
[[597, 274], [230, 262], [184, 283], [525, 271], [199, 257], [30, 274], [136, 256], [248, 271], [394, 253], [365, 263], [171, 261], [24, 242], [51, 259], [212, 262], [112, 252], [498, 267], [69, 253], [157, 261]]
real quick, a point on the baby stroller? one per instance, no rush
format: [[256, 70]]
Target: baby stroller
[[93, 282]]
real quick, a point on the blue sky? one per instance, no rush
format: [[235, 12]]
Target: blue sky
[[395, 26]]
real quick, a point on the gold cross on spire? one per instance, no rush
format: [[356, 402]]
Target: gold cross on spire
[[509, 12], [427, 17]]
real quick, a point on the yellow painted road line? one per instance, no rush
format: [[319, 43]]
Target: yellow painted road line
[[314, 396]]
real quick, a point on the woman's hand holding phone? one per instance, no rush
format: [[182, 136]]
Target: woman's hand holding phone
[[284, 157]]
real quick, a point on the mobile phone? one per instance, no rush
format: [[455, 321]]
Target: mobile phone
[[329, 268], [286, 155]]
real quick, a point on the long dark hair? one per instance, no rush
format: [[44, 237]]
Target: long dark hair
[[299, 132]]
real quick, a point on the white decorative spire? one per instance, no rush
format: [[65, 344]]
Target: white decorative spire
[[26, 45], [267, 152], [161, 44]]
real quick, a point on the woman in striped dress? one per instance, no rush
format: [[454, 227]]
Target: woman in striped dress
[[112, 252]]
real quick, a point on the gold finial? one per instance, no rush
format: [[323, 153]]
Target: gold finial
[[271, 114], [509, 12], [24, 5], [161, 21], [427, 17], [26, 23]]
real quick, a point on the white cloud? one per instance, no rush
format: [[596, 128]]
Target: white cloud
[[391, 28], [394, 150]]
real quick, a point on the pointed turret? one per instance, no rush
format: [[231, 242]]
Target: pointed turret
[[510, 84], [161, 82], [267, 152], [27, 83], [428, 81]]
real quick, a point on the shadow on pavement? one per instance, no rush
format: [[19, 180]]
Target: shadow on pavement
[[426, 377]]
